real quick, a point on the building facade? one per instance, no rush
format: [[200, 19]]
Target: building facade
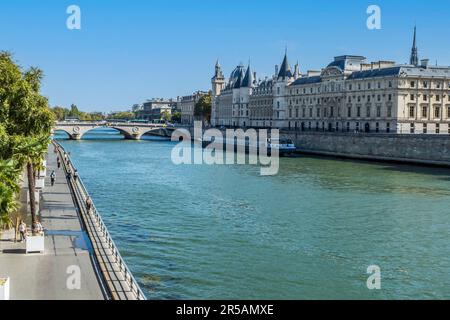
[[154, 109], [349, 95], [186, 105]]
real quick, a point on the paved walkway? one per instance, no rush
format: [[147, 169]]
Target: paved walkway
[[44, 276]]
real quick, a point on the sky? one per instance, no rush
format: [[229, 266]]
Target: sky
[[130, 51]]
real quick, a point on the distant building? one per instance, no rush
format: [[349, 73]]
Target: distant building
[[154, 109], [349, 95], [186, 105]]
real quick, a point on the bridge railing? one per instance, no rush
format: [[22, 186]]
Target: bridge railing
[[81, 189]]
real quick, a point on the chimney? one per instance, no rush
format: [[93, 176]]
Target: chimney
[[276, 70], [424, 63]]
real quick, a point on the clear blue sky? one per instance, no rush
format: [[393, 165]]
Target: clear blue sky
[[128, 51]]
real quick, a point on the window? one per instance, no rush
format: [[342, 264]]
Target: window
[[379, 97], [368, 111], [424, 112], [390, 97], [332, 112], [389, 111], [411, 112], [278, 90], [437, 112], [290, 113], [448, 112], [318, 112], [378, 111], [359, 99], [350, 87], [379, 85], [438, 127], [425, 128], [304, 112], [368, 86], [390, 84], [411, 97], [358, 112], [349, 112], [388, 127], [368, 98], [296, 113], [413, 84], [377, 127], [412, 128], [310, 112], [438, 98], [425, 84], [348, 126]]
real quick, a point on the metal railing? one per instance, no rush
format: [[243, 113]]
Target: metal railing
[[79, 187]]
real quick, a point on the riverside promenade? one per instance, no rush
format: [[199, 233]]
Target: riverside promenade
[[45, 276]]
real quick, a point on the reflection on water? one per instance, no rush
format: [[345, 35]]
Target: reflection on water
[[224, 232]]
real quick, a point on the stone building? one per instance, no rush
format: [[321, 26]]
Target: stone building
[[349, 95], [155, 108], [186, 105]]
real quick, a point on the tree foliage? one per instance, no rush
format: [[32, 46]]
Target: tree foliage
[[202, 110], [25, 126]]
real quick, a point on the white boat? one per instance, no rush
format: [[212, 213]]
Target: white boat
[[284, 146]]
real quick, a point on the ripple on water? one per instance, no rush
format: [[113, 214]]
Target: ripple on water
[[224, 232]]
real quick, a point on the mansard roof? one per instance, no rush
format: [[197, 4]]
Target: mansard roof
[[307, 80], [384, 72]]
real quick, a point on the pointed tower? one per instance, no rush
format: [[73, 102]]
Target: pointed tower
[[285, 69], [414, 60], [296, 71], [218, 81], [248, 78]]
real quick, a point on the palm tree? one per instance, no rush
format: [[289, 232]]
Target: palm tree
[[31, 152]]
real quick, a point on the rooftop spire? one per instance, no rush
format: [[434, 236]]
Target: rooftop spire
[[248, 79], [285, 70], [414, 60]]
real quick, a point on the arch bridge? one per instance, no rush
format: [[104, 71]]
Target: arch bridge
[[130, 130]]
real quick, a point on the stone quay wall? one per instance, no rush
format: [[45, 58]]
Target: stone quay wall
[[408, 148]]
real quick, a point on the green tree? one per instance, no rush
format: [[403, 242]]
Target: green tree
[[9, 188], [166, 116], [27, 120], [202, 110], [176, 117]]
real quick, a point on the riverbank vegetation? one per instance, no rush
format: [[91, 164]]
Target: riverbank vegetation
[[25, 127]]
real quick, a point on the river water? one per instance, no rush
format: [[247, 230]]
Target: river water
[[310, 232]]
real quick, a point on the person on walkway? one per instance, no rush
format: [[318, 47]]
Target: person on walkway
[[23, 231], [38, 228], [58, 161], [53, 177], [88, 204], [75, 175], [69, 175]]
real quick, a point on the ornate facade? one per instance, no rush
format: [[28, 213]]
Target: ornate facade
[[349, 95]]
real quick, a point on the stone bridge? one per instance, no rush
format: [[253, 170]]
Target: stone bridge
[[134, 131]]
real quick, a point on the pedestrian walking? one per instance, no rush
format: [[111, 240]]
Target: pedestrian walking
[[58, 161], [88, 204], [69, 175], [53, 177], [75, 175], [23, 231]]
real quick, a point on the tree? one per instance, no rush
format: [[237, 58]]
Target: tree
[[176, 117], [26, 118], [31, 151], [9, 188], [166, 116], [202, 110]]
